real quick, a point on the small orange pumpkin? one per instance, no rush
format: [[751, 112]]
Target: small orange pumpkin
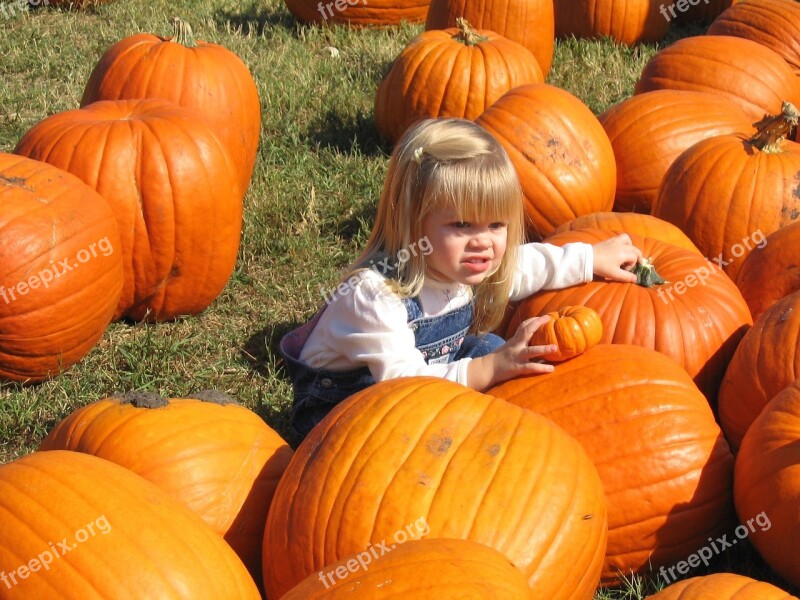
[[574, 329]]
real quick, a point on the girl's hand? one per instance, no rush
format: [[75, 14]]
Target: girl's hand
[[613, 256], [512, 359]]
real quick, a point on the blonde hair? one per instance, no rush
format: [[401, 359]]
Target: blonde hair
[[441, 164]]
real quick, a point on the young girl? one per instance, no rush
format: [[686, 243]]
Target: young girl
[[443, 260]]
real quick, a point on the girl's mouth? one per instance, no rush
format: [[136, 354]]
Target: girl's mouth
[[478, 265]]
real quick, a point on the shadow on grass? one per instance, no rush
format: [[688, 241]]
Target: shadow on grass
[[348, 134], [261, 353], [253, 19]]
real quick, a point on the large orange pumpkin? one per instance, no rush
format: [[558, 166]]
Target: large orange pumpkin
[[649, 131], [626, 21], [172, 186], [467, 465], [527, 22], [742, 70], [727, 193], [456, 72], [767, 482], [697, 318], [60, 268], [631, 222], [359, 13], [765, 362], [217, 458], [771, 270], [205, 77], [104, 532], [772, 23], [721, 586], [665, 466], [561, 153], [422, 569]]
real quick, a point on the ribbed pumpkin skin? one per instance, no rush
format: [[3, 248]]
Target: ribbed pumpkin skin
[[629, 222], [627, 21], [562, 155], [154, 547], [221, 461], [528, 22], [472, 466], [426, 569], [207, 78], [766, 361], [360, 13], [725, 194], [771, 272], [772, 23], [172, 187], [699, 328], [721, 586], [573, 329], [48, 216], [743, 71], [436, 75], [649, 131], [766, 479], [666, 468]]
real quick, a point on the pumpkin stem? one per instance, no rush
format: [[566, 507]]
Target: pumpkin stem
[[144, 400], [182, 33], [214, 396], [773, 129], [467, 34], [646, 274]]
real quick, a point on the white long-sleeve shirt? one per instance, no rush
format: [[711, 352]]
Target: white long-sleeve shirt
[[368, 326]]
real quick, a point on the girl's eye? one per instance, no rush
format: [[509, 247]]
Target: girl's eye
[[498, 225], [461, 224]]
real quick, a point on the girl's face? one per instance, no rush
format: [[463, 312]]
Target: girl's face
[[462, 251]]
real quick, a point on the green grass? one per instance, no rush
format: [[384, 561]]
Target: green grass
[[309, 208]]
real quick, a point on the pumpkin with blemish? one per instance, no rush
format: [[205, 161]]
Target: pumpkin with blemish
[[472, 466], [561, 153], [172, 186]]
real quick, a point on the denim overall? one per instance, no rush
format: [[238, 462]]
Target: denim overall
[[441, 339]]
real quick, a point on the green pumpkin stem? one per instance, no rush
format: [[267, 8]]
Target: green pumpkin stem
[[646, 274], [467, 34], [182, 33], [773, 129]]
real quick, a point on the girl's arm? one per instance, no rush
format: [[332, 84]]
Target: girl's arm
[[544, 266]]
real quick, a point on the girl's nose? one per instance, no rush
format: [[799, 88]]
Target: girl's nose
[[481, 239]]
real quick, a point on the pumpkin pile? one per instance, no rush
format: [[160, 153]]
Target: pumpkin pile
[[130, 206]]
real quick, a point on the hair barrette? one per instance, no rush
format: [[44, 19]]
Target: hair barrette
[[418, 154]]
